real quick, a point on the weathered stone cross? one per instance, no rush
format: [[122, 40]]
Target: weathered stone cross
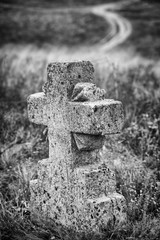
[[75, 187]]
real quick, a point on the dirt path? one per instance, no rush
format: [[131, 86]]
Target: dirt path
[[120, 28]]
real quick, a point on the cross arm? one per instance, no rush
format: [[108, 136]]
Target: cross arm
[[37, 108], [98, 117]]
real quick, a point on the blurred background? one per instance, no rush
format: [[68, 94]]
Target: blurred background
[[122, 40], [34, 33]]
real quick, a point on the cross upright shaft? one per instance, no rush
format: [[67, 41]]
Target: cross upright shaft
[[74, 179]]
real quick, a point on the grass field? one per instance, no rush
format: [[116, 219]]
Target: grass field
[[135, 152]]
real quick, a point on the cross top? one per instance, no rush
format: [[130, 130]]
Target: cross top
[[75, 181], [65, 81], [62, 77]]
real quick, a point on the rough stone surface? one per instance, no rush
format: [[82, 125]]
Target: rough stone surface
[[37, 108], [88, 142], [98, 117], [87, 92], [75, 187]]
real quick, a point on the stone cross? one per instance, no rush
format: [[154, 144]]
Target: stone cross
[[75, 187]]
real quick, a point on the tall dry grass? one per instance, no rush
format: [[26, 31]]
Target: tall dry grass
[[135, 153]]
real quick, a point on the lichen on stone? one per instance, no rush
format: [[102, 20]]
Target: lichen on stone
[[75, 187]]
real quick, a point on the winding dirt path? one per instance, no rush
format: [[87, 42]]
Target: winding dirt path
[[120, 28]]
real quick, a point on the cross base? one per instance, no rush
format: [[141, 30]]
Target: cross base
[[75, 186], [92, 210]]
